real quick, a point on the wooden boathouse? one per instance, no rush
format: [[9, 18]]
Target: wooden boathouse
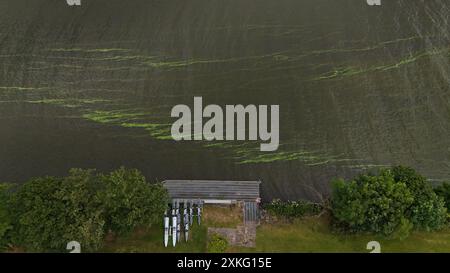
[[246, 193]]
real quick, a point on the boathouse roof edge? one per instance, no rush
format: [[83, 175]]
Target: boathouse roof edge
[[213, 190]]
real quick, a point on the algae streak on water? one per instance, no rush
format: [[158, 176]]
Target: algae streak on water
[[359, 87]]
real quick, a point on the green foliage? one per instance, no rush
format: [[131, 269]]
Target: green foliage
[[403, 229], [392, 202], [217, 244], [49, 212], [370, 203], [427, 212], [292, 209], [129, 201], [444, 192], [36, 209], [5, 218], [83, 220]]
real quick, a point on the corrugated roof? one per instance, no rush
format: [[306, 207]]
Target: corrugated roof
[[213, 189]]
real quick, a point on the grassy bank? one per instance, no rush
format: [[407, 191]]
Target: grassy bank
[[314, 235], [151, 240], [305, 235]]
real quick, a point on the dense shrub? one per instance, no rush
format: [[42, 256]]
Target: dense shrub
[[217, 244], [444, 192], [292, 209], [393, 202], [5, 218], [428, 211], [49, 212], [370, 203], [129, 201]]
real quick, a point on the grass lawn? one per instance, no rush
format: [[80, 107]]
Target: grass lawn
[[222, 216], [151, 241], [314, 235], [305, 235]]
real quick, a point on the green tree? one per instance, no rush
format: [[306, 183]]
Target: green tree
[[35, 213], [129, 201], [370, 203], [50, 212], [427, 212], [444, 191], [393, 202], [5, 217], [83, 214]]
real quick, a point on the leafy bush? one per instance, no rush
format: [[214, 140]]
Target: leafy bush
[[392, 202], [403, 229], [370, 203], [217, 244], [49, 212], [428, 211], [429, 214], [129, 201], [5, 218], [292, 209], [444, 192]]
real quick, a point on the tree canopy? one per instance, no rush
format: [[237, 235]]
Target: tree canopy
[[444, 191], [83, 206], [129, 201], [394, 201], [5, 218]]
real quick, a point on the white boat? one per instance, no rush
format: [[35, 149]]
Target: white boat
[[186, 225], [174, 228], [185, 216], [166, 229], [191, 215], [178, 225]]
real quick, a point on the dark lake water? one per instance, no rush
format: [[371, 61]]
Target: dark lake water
[[359, 87]]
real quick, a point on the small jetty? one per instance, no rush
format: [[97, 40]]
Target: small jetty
[[217, 192], [214, 191], [191, 195]]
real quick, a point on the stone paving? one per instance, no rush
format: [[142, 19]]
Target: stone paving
[[242, 235]]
